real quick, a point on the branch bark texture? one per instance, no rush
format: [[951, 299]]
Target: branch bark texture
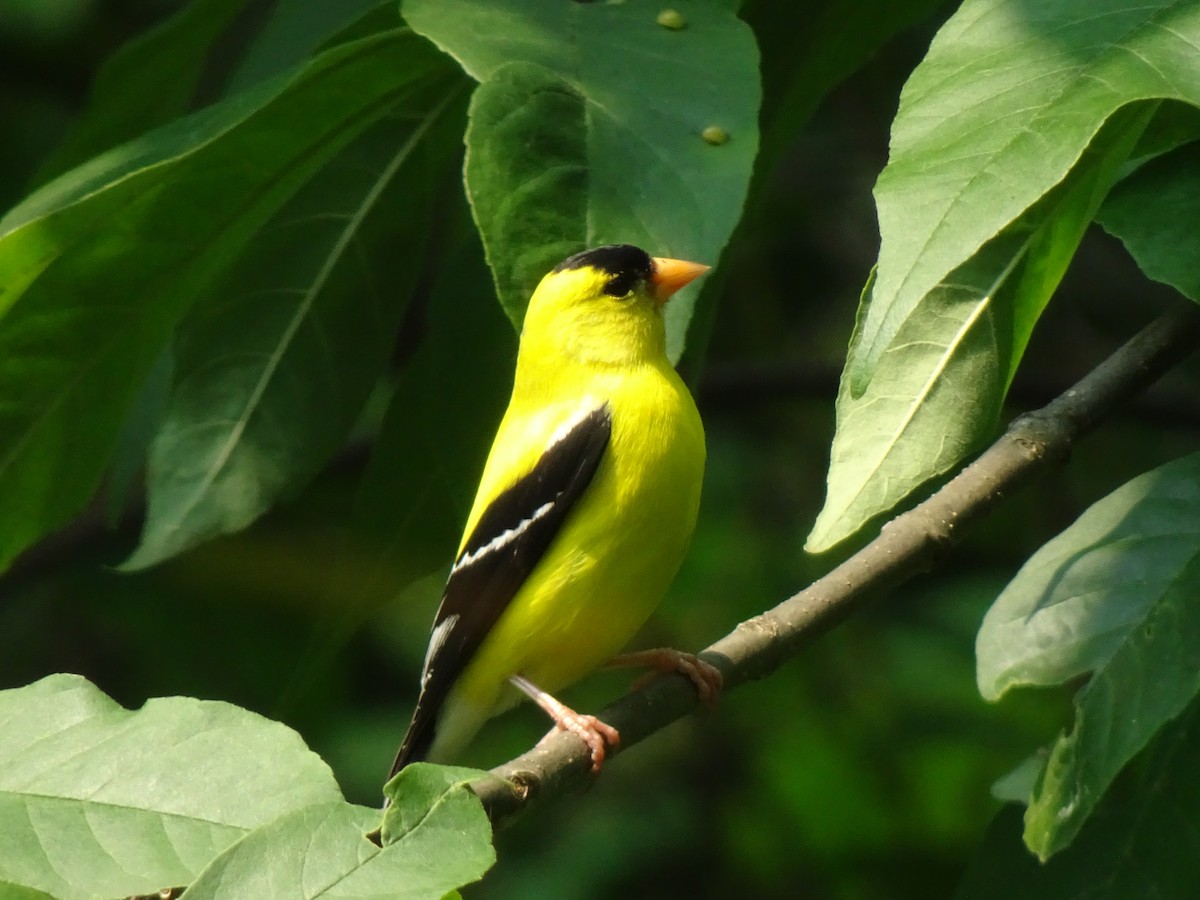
[[907, 545]]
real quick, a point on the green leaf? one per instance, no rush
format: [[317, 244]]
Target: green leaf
[[97, 800], [426, 801], [435, 434], [1113, 595], [99, 265], [146, 83], [1087, 592], [999, 112], [141, 425], [807, 48], [627, 164], [271, 378], [436, 838], [938, 388], [1154, 213], [10, 891], [1017, 785], [321, 851], [416, 492], [298, 29], [529, 204], [1141, 841]]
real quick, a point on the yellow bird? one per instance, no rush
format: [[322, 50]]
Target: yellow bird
[[584, 511]]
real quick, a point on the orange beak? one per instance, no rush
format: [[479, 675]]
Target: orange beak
[[672, 274]]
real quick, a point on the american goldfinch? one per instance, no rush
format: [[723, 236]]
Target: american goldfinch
[[583, 513]]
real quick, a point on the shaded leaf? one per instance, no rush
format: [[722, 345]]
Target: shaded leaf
[[298, 29], [273, 373], [648, 177], [99, 265], [448, 399], [1113, 595], [1141, 841], [97, 800], [1154, 213], [141, 425], [146, 83], [529, 204], [435, 435]]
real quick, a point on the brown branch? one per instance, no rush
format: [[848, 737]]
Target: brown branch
[[909, 544]]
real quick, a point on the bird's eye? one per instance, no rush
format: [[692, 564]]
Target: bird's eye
[[620, 284]]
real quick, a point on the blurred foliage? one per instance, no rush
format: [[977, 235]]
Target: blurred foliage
[[861, 770]]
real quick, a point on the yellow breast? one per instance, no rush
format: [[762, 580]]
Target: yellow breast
[[622, 543]]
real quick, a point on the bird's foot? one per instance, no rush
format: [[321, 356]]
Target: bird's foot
[[706, 677], [597, 735]]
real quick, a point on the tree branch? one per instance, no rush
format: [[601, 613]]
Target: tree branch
[[907, 545]]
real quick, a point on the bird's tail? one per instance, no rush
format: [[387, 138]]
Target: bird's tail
[[417, 740]]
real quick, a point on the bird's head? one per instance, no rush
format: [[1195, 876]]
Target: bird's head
[[605, 305]]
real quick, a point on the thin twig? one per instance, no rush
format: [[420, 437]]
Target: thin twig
[[909, 544]]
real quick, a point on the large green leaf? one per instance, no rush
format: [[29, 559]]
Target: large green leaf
[[999, 112], [100, 264], [127, 472], [1113, 595], [937, 390], [147, 83], [298, 29], [10, 891], [1013, 125], [436, 838], [271, 377], [447, 401], [435, 434], [1141, 841], [1154, 212], [569, 146], [99, 801]]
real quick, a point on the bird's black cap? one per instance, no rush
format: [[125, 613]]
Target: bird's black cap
[[626, 263]]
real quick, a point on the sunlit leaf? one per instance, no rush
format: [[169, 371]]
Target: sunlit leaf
[[937, 390], [625, 164], [1015, 124], [999, 112], [101, 801], [435, 837], [427, 802]]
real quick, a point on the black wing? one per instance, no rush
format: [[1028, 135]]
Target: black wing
[[506, 544]]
